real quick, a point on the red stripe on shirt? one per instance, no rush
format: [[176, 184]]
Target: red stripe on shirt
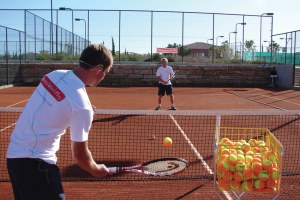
[[52, 89]]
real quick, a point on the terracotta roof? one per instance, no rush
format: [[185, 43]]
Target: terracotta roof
[[198, 45]]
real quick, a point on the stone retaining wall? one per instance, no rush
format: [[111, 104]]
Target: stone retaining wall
[[143, 74]]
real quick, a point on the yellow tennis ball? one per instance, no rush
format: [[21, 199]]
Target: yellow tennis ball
[[167, 142]]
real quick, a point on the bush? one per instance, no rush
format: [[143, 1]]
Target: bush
[[156, 57], [59, 56]]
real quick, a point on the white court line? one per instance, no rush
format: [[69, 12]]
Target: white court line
[[192, 146], [7, 127], [6, 86], [262, 95], [263, 103], [17, 103], [206, 166], [298, 104], [12, 123]]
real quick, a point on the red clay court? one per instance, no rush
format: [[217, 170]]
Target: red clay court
[[119, 135], [145, 98]]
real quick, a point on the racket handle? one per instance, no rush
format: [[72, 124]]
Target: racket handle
[[113, 170]]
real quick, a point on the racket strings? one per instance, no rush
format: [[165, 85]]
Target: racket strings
[[166, 167]]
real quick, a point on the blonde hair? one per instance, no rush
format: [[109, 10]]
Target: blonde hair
[[164, 59]]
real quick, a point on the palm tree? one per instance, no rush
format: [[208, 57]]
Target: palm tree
[[249, 45], [276, 47]]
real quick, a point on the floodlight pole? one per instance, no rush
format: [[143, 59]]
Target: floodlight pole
[[271, 59], [217, 41], [208, 40], [268, 47], [260, 35], [51, 29], [235, 38], [182, 35], [63, 8], [213, 43], [79, 19], [151, 34], [285, 44], [229, 53], [221, 36]]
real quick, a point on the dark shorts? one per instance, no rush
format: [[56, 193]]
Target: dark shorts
[[164, 89], [34, 179]]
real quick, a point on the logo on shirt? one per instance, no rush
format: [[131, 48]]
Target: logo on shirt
[[52, 89]]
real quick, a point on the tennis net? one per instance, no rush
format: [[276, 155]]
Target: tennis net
[[127, 137]]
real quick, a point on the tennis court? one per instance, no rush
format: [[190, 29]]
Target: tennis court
[[186, 98], [126, 131]]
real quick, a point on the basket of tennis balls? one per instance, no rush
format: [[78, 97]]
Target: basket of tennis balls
[[248, 160]]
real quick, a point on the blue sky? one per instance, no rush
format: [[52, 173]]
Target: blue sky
[[286, 15]]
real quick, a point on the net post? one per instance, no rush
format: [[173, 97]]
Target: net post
[[217, 134]]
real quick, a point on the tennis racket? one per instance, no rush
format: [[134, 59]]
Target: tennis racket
[[158, 167], [173, 75]]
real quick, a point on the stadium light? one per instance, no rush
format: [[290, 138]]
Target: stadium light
[[51, 28], [208, 40], [221, 36], [243, 24], [268, 14], [229, 42], [268, 42], [79, 19], [63, 8]]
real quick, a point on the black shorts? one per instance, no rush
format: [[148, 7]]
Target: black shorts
[[34, 179], [164, 89]]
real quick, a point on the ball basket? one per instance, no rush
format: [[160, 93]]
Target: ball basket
[[247, 160]]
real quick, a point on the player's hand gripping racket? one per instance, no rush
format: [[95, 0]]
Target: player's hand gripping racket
[[158, 167]]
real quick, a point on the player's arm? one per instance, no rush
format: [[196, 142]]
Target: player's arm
[[84, 159]]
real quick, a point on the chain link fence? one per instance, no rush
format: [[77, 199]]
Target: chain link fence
[[134, 35]]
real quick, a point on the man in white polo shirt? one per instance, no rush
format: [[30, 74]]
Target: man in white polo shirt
[[164, 74], [59, 101]]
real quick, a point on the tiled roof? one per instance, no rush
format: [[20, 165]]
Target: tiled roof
[[198, 45]]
